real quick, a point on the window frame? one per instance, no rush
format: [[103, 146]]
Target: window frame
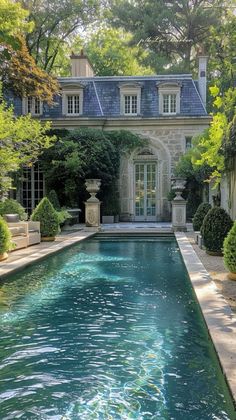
[[25, 103], [169, 89], [130, 89], [66, 92]]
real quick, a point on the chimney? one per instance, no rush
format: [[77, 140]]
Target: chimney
[[81, 66], [202, 75]]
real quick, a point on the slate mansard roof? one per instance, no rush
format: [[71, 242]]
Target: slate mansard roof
[[101, 97]]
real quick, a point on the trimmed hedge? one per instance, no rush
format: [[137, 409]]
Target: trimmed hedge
[[5, 237], [53, 198], [11, 206], [201, 212], [230, 250], [48, 218], [216, 225]]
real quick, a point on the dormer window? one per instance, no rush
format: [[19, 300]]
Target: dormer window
[[72, 100], [33, 106], [130, 98], [169, 98], [169, 103], [131, 102], [73, 105]]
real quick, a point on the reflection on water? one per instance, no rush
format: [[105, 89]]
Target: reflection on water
[[107, 330]]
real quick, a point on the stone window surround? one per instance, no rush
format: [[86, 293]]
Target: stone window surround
[[25, 106], [169, 88], [72, 91], [130, 89]]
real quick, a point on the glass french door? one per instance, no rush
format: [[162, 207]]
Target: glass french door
[[145, 191]]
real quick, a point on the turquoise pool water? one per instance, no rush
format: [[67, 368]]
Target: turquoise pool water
[[107, 330]]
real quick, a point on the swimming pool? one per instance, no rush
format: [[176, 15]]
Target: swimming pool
[[108, 329]]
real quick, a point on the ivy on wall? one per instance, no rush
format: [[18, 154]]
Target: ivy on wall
[[87, 153]]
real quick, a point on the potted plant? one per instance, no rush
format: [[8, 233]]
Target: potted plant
[[198, 217], [216, 225], [229, 250], [5, 240], [48, 218]]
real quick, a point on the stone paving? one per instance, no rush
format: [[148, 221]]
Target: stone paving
[[218, 273]]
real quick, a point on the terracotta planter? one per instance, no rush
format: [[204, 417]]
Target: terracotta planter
[[215, 253], [47, 238], [3, 256], [232, 276]]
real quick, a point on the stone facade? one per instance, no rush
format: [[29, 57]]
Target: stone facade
[[102, 103]]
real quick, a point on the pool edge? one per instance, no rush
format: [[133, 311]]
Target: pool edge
[[219, 318], [8, 268]]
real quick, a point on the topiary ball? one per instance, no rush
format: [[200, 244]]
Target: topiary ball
[[201, 212], [216, 225], [230, 250], [48, 218], [5, 237]]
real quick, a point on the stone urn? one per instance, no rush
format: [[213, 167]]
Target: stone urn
[[93, 186], [92, 205], [178, 185]]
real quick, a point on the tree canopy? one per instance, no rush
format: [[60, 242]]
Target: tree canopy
[[13, 20], [54, 23], [172, 30], [21, 142]]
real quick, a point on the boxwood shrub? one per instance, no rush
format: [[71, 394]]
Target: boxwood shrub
[[5, 237], [48, 218], [230, 250], [201, 212], [216, 225]]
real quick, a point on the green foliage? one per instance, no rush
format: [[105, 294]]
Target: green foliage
[[11, 206], [201, 212], [111, 54], [62, 216], [54, 24], [22, 140], [53, 198], [12, 21], [5, 237], [48, 218], [172, 29], [221, 48], [230, 249], [216, 225], [85, 153]]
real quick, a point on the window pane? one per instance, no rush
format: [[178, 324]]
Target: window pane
[[172, 103], [70, 104], [37, 106], [29, 104], [127, 104], [134, 104], [76, 104], [166, 104]]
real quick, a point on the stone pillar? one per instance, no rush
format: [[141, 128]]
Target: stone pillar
[[178, 206], [92, 205]]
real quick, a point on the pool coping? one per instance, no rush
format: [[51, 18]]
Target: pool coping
[[11, 267], [219, 318]]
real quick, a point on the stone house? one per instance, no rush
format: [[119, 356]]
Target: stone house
[[167, 110]]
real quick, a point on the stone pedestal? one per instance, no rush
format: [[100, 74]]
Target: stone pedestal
[[92, 205], [92, 214], [178, 205], [179, 215]]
